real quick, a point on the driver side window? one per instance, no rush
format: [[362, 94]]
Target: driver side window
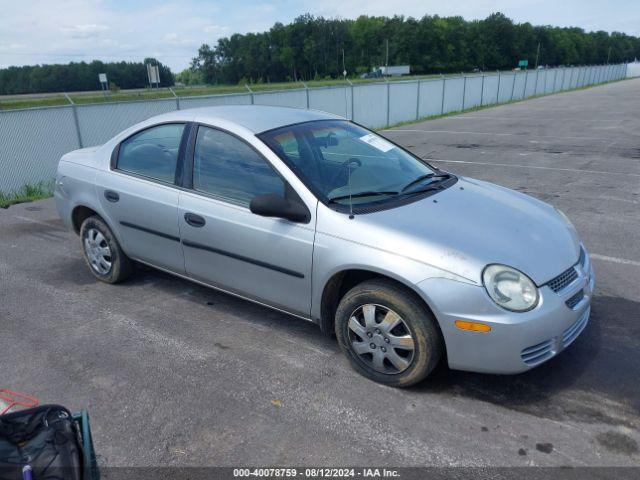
[[228, 168]]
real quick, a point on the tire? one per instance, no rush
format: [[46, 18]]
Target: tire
[[383, 301], [97, 240]]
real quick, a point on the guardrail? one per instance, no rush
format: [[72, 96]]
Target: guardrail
[[33, 140]]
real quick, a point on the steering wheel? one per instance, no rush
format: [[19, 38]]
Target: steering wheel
[[345, 165]]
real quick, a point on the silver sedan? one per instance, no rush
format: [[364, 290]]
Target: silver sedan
[[318, 217]]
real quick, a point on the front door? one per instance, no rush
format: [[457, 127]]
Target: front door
[[266, 259]]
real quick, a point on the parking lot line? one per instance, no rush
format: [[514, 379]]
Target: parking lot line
[[497, 134], [574, 170], [622, 261]]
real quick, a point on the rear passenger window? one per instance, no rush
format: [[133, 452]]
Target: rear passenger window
[[152, 152], [227, 167]]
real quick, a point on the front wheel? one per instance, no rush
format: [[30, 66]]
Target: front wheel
[[387, 333], [102, 253]]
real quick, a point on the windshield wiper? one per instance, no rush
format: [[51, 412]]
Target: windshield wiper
[[421, 178], [371, 193]]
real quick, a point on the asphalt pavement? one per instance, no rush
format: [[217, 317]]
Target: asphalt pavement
[[175, 374]]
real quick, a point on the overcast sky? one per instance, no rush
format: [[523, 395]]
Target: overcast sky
[[59, 31]]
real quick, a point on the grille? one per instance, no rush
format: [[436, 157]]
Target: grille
[[575, 299], [561, 281], [571, 333], [537, 353]]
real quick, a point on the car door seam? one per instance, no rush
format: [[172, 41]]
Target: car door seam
[[242, 258]]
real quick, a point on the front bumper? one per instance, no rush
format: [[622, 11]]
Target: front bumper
[[517, 341]]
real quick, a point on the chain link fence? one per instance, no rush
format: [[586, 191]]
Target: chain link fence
[[33, 140]]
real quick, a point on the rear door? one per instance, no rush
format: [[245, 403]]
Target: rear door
[[140, 197], [266, 259]]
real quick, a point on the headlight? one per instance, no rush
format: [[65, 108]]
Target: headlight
[[510, 288]]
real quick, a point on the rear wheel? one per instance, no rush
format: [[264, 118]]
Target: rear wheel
[[102, 253], [387, 333]]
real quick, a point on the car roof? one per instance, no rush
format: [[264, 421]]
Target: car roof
[[257, 118]]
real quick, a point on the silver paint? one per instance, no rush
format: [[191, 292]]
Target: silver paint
[[436, 249]]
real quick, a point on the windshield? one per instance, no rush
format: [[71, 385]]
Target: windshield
[[339, 160]]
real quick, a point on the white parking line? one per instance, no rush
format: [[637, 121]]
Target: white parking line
[[622, 261], [598, 172], [33, 220], [496, 134]]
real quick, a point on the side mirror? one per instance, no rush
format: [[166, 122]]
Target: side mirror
[[272, 205]]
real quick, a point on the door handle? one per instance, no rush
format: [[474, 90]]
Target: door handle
[[111, 196], [194, 220]]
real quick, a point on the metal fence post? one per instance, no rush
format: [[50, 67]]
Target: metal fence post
[[535, 87], [482, 90], [352, 102], [75, 119], [388, 102], [176, 97], [306, 89], [580, 70], [444, 84], [464, 89], [498, 92], [555, 78], [250, 91], [526, 79], [570, 78], [418, 101], [345, 98], [513, 86]]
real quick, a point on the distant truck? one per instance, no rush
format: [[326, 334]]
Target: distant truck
[[390, 71], [394, 70]]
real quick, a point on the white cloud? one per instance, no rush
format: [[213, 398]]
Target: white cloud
[[42, 31], [84, 31], [216, 29], [11, 46]]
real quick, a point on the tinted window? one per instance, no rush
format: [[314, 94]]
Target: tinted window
[[152, 152], [227, 167]]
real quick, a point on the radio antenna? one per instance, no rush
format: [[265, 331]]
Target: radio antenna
[[350, 199]]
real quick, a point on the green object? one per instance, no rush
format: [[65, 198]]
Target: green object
[[523, 63], [90, 463]]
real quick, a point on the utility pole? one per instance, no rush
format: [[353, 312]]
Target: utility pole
[[537, 55], [608, 55]]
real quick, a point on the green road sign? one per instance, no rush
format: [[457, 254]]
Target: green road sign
[[523, 63]]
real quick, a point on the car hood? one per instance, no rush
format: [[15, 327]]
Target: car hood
[[474, 223]]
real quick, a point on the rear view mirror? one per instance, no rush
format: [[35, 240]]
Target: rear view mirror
[[272, 205], [330, 140]]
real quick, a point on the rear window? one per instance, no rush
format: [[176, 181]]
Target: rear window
[[152, 152]]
